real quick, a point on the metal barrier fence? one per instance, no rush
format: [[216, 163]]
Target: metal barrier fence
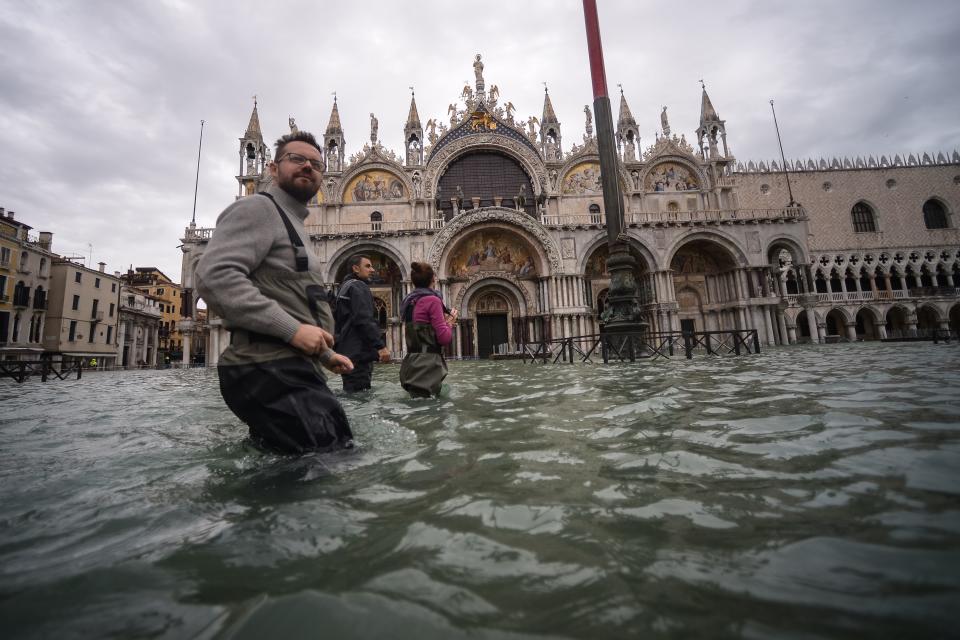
[[630, 347], [22, 370]]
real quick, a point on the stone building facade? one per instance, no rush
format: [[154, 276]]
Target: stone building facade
[[141, 320], [513, 223], [168, 293], [81, 322], [25, 263]]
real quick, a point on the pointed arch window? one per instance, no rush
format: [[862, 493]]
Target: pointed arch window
[[376, 221], [863, 219], [934, 215]]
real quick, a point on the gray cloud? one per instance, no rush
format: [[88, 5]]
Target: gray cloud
[[100, 102]]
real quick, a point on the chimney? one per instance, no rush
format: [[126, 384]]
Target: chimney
[[116, 274], [2, 212], [103, 267], [46, 240], [10, 215]]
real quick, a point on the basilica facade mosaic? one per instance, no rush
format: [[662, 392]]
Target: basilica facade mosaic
[[512, 220]]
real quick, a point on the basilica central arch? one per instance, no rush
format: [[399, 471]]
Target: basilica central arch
[[492, 273]]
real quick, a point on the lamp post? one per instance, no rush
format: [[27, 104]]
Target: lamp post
[[623, 310]]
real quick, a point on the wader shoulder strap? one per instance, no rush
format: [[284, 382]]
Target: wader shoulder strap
[[299, 250], [342, 294]]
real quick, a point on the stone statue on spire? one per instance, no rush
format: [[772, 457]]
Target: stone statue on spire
[[374, 125], [478, 72], [589, 123], [664, 123]]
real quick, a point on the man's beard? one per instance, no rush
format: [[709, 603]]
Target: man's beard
[[300, 192]]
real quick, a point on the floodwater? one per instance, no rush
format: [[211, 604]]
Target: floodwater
[[806, 492]]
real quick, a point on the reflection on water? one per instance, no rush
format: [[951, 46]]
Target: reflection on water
[[806, 492]]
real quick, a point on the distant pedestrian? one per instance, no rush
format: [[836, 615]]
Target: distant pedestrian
[[358, 333], [428, 326]]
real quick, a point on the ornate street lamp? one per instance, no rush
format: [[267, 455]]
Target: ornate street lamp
[[623, 313]]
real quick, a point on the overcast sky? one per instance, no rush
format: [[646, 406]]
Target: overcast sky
[[101, 102]]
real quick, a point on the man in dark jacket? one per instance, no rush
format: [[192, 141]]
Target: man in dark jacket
[[357, 331]]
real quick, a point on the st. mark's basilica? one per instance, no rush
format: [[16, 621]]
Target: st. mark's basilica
[[511, 217]]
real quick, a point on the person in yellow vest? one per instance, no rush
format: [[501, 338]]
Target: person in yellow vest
[[93, 363]]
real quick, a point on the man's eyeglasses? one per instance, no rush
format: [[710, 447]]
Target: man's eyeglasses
[[300, 160]]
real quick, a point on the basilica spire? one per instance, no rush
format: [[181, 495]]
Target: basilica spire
[[711, 126], [626, 117], [628, 134], [707, 112], [333, 126], [333, 142], [550, 130], [413, 134], [254, 155], [253, 127], [413, 118]]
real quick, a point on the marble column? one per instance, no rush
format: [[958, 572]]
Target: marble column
[[121, 338], [812, 324], [770, 324]]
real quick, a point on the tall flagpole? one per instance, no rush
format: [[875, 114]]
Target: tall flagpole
[[196, 184], [623, 314], [783, 158]]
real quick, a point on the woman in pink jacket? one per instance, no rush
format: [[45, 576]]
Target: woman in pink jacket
[[429, 328]]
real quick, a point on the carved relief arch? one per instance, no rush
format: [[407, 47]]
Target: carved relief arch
[[493, 217], [508, 281], [363, 178], [668, 171], [587, 165]]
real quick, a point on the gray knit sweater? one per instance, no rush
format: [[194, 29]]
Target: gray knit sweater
[[250, 235]]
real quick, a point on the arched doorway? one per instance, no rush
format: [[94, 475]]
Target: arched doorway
[[492, 313], [896, 322], [867, 327], [927, 321], [691, 309], [708, 270], [955, 321], [836, 325], [805, 333]]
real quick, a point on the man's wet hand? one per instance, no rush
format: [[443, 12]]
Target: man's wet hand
[[311, 340], [339, 364]]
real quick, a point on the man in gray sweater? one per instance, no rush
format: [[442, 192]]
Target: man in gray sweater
[[259, 276]]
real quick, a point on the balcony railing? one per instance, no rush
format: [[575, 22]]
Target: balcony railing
[[703, 216], [97, 316], [859, 296], [197, 234], [379, 227]]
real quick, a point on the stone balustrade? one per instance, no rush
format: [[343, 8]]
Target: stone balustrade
[[375, 228], [703, 216], [861, 296]]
